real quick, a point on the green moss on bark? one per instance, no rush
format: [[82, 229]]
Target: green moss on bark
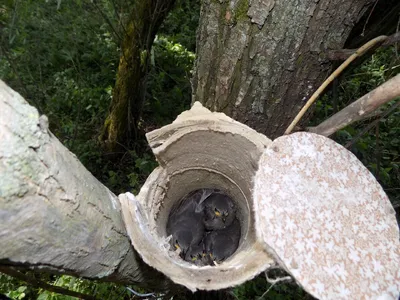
[[241, 10]]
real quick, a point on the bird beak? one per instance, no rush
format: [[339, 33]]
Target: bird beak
[[217, 213], [177, 246]]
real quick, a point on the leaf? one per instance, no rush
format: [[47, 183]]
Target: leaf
[[43, 296]]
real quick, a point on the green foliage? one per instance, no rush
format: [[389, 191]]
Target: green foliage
[[255, 288], [169, 84], [64, 62], [130, 173], [378, 152], [13, 288], [99, 290], [179, 29], [16, 289]]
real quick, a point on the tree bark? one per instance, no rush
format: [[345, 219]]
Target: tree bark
[[55, 216], [121, 123], [260, 60]]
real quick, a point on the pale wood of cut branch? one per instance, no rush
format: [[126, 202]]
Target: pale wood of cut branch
[[361, 108]]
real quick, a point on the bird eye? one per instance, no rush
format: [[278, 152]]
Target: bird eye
[[217, 213], [177, 245]]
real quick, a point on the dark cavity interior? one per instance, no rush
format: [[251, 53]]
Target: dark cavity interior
[[205, 227]]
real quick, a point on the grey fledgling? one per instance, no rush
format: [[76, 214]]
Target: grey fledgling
[[219, 211], [185, 222], [221, 244], [196, 254]]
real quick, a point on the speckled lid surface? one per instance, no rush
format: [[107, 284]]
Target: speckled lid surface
[[326, 219]]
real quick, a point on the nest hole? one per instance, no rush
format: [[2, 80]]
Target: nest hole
[[188, 181], [205, 227]]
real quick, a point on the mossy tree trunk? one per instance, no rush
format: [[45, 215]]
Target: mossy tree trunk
[[121, 123], [258, 61]]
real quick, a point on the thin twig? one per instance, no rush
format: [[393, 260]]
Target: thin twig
[[139, 294], [107, 20], [38, 283], [273, 282], [266, 292], [279, 279], [14, 16], [119, 17], [233, 295], [335, 74], [369, 16]]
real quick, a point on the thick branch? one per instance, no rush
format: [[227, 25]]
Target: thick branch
[[335, 74], [55, 215], [373, 124], [343, 54], [361, 108]]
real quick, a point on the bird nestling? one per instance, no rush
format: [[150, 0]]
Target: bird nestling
[[204, 227], [186, 222], [221, 244], [219, 211], [196, 254]]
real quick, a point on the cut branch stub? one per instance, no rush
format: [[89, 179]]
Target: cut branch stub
[[361, 108], [199, 149]]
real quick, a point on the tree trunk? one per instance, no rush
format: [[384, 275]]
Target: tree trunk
[[120, 126], [380, 19], [55, 216], [260, 60]]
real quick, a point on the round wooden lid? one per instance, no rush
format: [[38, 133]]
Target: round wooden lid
[[326, 219]]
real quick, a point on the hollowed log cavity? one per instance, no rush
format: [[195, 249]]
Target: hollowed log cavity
[[199, 150]]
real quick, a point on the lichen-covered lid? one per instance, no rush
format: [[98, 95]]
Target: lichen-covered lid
[[326, 219]]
